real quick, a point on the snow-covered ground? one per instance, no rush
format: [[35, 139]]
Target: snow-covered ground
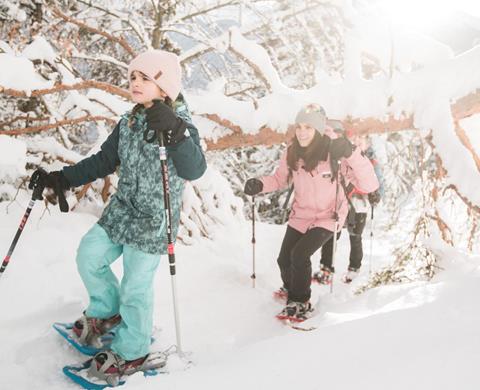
[[422, 335]]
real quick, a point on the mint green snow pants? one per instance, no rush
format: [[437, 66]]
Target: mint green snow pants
[[132, 298]]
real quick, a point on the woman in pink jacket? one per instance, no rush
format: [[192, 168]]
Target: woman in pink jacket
[[307, 164]]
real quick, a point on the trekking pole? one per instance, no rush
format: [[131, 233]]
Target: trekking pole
[[370, 255], [335, 217], [253, 276], [36, 195], [170, 246]]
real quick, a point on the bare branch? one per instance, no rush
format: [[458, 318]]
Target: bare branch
[[90, 4], [23, 118], [443, 227], [207, 10], [473, 230], [462, 136], [463, 198]]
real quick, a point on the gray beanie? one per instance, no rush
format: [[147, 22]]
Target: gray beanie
[[312, 115]]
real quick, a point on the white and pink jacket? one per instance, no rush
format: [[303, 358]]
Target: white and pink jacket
[[314, 203]]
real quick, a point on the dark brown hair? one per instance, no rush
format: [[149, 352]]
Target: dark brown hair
[[311, 155]]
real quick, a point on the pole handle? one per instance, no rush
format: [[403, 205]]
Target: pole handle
[[36, 184]]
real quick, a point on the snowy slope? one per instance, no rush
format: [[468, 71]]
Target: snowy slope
[[417, 336]]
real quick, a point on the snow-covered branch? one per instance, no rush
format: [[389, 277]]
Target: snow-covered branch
[[87, 84], [36, 129]]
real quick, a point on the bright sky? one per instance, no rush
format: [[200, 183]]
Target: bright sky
[[425, 15], [470, 6]]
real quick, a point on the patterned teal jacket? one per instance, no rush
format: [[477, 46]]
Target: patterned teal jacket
[[136, 214]]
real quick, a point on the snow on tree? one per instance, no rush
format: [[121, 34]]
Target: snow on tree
[[74, 55], [249, 67]]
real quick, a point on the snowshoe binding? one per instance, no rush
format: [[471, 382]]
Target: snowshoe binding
[[351, 274], [107, 369], [296, 311], [324, 276], [89, 335]]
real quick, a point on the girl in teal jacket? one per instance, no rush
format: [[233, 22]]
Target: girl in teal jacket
[[133, 224]]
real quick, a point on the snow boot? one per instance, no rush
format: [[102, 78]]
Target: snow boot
[[296, 311], [324, 276], [110, 367], [351, 274], [89, 329], [107, 369]]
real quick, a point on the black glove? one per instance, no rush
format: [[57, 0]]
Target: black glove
[[374, 197], [53, 180], [339, 148], [163, 119], [253, 187]]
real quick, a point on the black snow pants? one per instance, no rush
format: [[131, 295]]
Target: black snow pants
[[355, 225], [294, 260]]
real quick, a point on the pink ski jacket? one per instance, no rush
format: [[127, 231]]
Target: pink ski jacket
[[314, 202]]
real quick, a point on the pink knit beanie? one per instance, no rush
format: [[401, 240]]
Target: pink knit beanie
[[162, 67]]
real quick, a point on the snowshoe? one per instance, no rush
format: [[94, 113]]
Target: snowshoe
[[281, 294], [351, 274], [89, 329], [296, 311], [66, 331], [102, 343], [324, 276], [107, 369]]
